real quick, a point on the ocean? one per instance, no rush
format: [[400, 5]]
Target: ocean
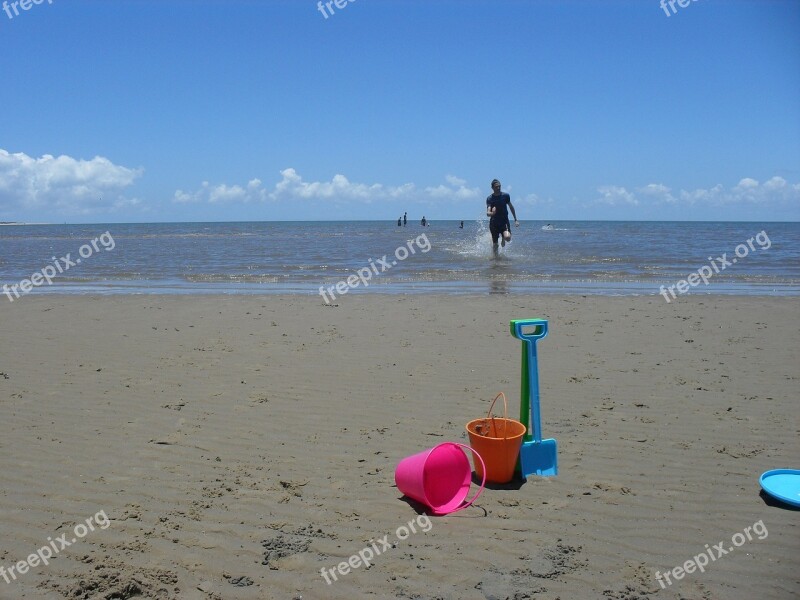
[[574, 257]]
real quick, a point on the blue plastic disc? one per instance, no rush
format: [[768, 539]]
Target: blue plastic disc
[[783, 484]]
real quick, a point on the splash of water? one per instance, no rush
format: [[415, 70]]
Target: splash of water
[[477, 242]]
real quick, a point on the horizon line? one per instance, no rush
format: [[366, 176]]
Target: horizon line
[[23, 223]]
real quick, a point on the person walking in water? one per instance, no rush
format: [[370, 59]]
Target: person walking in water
[[405, 218], [424, 222], [497, 205]]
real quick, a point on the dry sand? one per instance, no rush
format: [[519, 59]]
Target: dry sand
[[222, 433]]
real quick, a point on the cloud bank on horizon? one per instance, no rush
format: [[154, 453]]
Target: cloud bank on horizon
[[98, 189]]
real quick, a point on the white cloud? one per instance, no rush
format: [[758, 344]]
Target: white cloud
[[747, 184], [777, 184], [614, 196], [213, 194], [747, 191], [658, 193], [339, 188], [62, 185], [456, 190], [775, 189], [292, 187]]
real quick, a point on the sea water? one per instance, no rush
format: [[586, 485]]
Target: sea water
[[575, 257]]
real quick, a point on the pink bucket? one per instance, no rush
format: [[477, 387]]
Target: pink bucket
[[438, 477]]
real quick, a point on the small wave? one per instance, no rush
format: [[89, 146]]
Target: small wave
[[232, 234], [231, 278]]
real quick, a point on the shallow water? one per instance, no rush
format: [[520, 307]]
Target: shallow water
[[576, 257]]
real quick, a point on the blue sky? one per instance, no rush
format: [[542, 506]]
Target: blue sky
[[200, 110]]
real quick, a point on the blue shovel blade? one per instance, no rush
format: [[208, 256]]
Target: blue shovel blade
[[539, 458]]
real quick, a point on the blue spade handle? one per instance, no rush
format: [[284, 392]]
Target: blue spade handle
[[530, 414]]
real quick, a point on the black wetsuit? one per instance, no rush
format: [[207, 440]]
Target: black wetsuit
[[499, 222]]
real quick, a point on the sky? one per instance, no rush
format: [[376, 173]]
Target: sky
[[258, 110]]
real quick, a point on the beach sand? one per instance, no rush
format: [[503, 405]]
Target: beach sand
[[239, 445]]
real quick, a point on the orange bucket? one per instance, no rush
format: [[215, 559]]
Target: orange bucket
[[498, 441]]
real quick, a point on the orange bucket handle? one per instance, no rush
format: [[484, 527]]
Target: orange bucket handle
[[489, 416]]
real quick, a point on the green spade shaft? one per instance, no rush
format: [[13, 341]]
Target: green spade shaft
[[525, 393]]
